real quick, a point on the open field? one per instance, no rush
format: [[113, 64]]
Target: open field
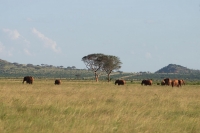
[[84, 107]]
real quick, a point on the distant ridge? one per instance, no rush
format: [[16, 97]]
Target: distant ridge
[[178, 69], [17, 70], [8, 69]]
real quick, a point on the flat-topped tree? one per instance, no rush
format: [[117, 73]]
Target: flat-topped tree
[[110, 63], [94, 63]]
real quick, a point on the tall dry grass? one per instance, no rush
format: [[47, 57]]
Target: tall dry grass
[[84, 107]]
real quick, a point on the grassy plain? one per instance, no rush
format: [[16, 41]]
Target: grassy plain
[[89, 107]]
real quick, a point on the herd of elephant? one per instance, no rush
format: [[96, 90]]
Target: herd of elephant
[[166, 81], [30, 79], [173, 82]]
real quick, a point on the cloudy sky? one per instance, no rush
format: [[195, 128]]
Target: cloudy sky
[[145, 34]]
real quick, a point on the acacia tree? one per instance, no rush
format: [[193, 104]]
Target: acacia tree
[[110, 63], [94, 63]]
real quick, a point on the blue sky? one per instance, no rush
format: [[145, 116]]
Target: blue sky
[[146, 35]]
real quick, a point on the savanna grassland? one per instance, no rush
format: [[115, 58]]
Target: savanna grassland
[[84, 107]]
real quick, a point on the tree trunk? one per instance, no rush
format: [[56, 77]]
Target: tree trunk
[[108, 77], [96, 77]]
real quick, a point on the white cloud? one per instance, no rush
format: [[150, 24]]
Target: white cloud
[[13, 34], [4, 51], [27, 52], [26, 42], [47, 41]]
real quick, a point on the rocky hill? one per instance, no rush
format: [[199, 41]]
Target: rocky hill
[[173, 68]]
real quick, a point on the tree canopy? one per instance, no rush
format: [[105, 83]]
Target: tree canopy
[[93, 62], [110, 63], [101, 62]]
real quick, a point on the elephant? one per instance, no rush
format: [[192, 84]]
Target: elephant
[[167, 81], [120, 82], [181, 82], [147, 82], [163, 83], [175, 82], [57, 82], [28, 79]]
